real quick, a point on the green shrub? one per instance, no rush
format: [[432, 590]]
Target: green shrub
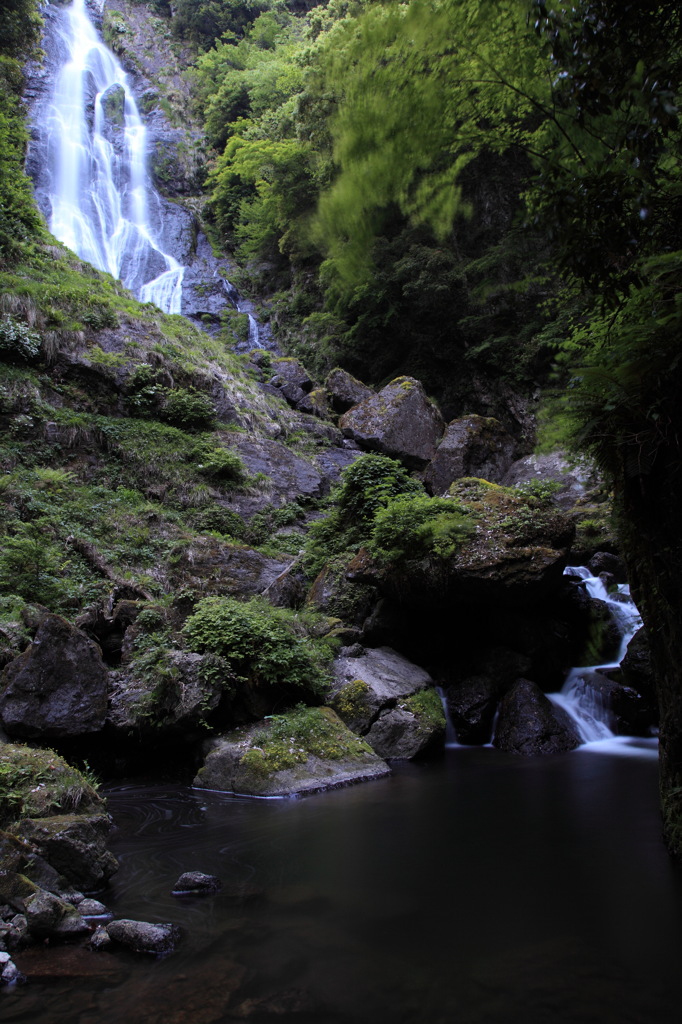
[[367, 486], [221, 464], [187, 408], [17, 340], [31, 563], [416, 526], [264, 646]]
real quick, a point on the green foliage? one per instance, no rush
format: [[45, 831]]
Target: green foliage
[[264, 646], [17, 340], [31, 564], [416, 526], [291, 739], [367, 485]]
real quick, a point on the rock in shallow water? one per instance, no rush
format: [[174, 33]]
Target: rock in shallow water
[[144, 937], [196, 882]]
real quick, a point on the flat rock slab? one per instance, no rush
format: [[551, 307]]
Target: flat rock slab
[[222, 772]]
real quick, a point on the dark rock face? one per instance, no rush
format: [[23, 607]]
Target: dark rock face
[[75, 845], [229, 568], [604, 561], [636, 666], [143, 937], [528, 723], [57, 687], [186, 700], [399, 421], [472, 446], [345, 391], [472, 700]]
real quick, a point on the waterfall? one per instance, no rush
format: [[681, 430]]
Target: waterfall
[[586, 706], [100, 193]]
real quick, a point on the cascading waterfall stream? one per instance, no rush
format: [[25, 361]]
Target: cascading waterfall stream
[[100, 190], [581, 701]]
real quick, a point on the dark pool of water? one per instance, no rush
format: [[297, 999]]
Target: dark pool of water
[[482, 889]]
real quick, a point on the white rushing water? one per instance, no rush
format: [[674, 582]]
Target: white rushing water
[[100, 193], [585, 705]]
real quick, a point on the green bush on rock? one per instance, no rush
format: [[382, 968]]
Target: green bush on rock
[[263, 645], [415, 525], [290, 739]]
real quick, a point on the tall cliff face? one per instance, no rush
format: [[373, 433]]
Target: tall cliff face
[[154, 65]]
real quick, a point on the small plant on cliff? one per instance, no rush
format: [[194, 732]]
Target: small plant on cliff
[[264, 646]]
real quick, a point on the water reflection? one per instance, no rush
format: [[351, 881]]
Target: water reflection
[[484, 888]]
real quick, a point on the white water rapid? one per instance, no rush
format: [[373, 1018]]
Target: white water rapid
[[585, 705], [100, 192]]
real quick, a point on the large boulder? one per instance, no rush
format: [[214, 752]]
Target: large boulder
[[476, 446], [345, 391], [303, 752], [57, 687], [74, 845], [368, 680], [514, 555], [528, 723], [399, 421], [630, 713]]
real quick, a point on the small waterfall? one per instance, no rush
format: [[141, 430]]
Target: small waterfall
[[586, 706], [99, 190]]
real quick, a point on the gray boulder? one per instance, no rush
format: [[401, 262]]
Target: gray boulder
[[400, 734], [144, 937], [376, 679], [184, 700], [528, 723], [399, 421], [57, 687], [575, 479], [345, 391], [471, 446]]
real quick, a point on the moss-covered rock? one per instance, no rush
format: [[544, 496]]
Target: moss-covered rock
[[308, 750], [36, 783], [75, 846], [476, 446]]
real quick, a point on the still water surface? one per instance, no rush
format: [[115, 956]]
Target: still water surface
[[483, 889]]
